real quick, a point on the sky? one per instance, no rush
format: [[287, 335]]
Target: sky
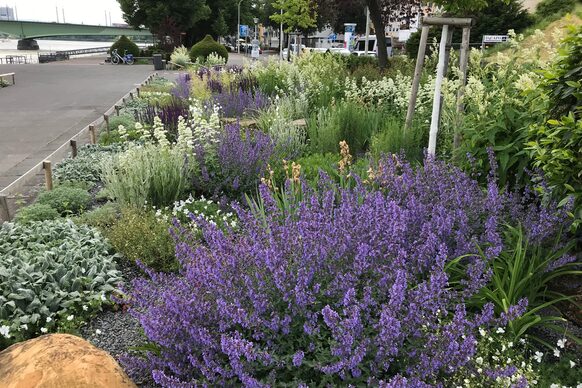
[[76, 11]]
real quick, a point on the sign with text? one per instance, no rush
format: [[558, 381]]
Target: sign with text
[[495, 38], [244, 31]]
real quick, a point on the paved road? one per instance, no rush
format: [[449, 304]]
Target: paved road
[[52, 102]]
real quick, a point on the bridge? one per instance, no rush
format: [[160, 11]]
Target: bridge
[[27, 31]]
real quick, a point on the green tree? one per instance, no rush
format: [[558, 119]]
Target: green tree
[[219, 26], [297, 14]]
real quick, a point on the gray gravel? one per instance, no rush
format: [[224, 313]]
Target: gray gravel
[[117, 332]]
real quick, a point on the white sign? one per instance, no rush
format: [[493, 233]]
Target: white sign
[[494, 38]]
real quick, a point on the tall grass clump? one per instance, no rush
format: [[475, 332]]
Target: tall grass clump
[[146, 174], [352, 123], [394, 139]]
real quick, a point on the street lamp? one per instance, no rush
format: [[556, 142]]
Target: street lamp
[[256, 20], [238, 31]]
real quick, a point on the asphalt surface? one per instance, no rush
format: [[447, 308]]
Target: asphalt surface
[[51, 102]]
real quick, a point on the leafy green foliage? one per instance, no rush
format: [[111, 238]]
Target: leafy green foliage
[[86, 167], [553, 8], [564, 79], [555, 149], [48, 272], [66, 200], [297, 14], [36, 212], [146, 175], [101, 218], [124, 44], [523, 271], [139, 235], [207, 46]]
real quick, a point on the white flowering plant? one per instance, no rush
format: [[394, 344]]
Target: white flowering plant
[[192, 211]]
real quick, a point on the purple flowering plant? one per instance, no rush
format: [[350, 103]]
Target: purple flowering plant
[[240, 161], [347, 286]]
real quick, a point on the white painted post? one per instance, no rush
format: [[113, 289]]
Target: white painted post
[[367, 30], [436, 105]]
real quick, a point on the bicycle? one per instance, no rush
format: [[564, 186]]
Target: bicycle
[[126, 58]]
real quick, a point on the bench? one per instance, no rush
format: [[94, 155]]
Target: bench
[[7, 75]]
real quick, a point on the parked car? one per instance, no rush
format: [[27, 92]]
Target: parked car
[[360, 46], [293, 50]]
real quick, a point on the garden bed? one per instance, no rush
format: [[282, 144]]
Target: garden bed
[[275, 225]]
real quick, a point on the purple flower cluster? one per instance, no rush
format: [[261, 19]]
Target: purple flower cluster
[[241, 162], [182, 88], [240, 102], [167, 113], [348, 286]]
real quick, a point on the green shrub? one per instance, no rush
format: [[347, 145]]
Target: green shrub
[[126, 120], [554, 8], [36, 212], [65, 199], [207, 46], [53, 275], [102, 217], [123, 44], [146, 175], [564, 78], [139, 235], [367, 71], [86, 167], [354, 62], [555, 149]]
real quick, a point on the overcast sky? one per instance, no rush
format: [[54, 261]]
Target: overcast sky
[[76, 11]]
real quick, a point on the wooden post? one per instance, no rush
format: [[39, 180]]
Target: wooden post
[[4, 210], [131, 95], [74, 148], [48, 174], [92, 134], [137, 91], [106, 120], [463, 62], [117, 108], [436, 104], [416, 79]]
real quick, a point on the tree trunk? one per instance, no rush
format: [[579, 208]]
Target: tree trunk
[[376, 17]]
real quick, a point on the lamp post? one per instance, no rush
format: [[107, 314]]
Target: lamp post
[[256, 20], [238, 31]]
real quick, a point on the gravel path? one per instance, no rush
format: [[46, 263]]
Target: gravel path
[[117, 332]]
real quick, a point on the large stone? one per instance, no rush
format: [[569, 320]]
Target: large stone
[[59, 361]]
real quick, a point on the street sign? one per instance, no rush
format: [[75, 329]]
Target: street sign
[[332, 37], [244, 31], [495, 38]]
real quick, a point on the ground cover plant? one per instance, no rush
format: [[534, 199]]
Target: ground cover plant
[[53, 275]]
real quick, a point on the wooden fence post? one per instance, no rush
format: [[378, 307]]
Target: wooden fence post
[[131, 95], [92, 135], [106, 120], [137, 91], [117, 108], [74, 148], [48, 174], [4, 210]]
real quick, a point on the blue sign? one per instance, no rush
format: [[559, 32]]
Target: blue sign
[[332, 37], [244, 31]]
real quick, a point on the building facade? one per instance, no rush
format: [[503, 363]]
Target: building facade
[[7, 13]]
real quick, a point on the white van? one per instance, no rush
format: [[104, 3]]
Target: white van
[[360, 46]]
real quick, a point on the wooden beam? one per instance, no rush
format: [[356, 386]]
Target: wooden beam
[[463, 63], [453, 22]]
